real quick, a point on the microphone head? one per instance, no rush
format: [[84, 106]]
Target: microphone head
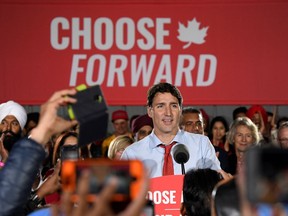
[[180, 153]]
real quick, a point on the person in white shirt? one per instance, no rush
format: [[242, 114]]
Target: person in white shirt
[[164, 106]]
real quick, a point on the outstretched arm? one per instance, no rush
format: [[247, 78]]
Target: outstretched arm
[[20, 170]]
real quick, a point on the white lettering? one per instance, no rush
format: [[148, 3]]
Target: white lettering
[[77, 33], [103, 33], [201, 70], [76, 68], [143, 68], [147, 35], [55, 40], [117, 71], [165, 66], [164, 197], [121, 33], [160, 33], [163, 215], [101, 70], [124, 34], [184, 70]]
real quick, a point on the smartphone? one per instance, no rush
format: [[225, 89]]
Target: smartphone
[[267, 175], [128, 173], [69, 152], [90, 111]]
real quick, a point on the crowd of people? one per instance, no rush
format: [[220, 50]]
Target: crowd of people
[[31, 150]]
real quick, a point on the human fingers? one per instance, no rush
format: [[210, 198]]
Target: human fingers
[[62, 93], [137, 205], [50, 123], [66, 205], [225, 175], [2, 137], [82, 192], [57, 167], [57, 102], [103, 200], [55, 210]]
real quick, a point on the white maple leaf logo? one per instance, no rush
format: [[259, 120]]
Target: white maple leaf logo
[[192, 33]]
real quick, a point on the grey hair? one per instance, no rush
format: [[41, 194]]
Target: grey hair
[[245, 121]]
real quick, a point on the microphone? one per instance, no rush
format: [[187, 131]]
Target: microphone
[[181, 155]]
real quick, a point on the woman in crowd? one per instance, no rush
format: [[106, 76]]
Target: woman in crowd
[[217, 132], [118, 145], [243, 134]]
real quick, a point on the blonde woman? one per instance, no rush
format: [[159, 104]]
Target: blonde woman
[[243, 134], [118, 145]]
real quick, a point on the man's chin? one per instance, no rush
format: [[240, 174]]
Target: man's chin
[[9, 142]]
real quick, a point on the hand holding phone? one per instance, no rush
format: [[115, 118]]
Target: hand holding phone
[[102, 205], [90, 111]]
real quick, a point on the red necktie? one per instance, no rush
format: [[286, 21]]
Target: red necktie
[[168, 161]]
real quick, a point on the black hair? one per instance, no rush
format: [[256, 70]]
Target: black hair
[[163, 88], [281, 120], [218, 119], [197, 191], [238, 110], [191, 110]]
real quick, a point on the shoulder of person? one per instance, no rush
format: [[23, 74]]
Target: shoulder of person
[[195, 136]]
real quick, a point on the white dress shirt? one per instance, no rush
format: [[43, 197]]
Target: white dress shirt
[[147, 150]]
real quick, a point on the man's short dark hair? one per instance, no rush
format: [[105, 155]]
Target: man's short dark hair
[[191, 110], [163, 88], [238, 110], [197, 191], [281, 120]]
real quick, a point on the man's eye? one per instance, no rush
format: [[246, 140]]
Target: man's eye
[[15, 123]]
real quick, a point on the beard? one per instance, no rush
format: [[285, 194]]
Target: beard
[[10, 139]]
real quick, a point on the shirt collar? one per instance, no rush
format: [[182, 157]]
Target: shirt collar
[[155, 141]]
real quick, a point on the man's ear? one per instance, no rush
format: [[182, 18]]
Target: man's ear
[[182, 209], [149, 111]]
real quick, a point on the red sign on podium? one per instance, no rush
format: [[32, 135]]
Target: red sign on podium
[[166, 193]]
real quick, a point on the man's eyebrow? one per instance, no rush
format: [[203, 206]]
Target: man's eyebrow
[[174, 103], [160, 103]]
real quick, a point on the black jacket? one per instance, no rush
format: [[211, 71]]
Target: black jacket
[[18, 174]]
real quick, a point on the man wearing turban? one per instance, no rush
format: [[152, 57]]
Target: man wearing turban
[[142, 126], [13, 118]]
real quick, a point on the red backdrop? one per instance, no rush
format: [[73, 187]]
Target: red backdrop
[[216, 52]]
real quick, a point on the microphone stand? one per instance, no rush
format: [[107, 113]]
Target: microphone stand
[[182, 168]]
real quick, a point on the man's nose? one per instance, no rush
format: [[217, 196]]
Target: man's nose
[[6, 127], [168, 110]]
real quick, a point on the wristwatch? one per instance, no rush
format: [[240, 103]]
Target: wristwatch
[[36, 199], [34, 202]]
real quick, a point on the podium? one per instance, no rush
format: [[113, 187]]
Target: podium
[[166, 193]]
